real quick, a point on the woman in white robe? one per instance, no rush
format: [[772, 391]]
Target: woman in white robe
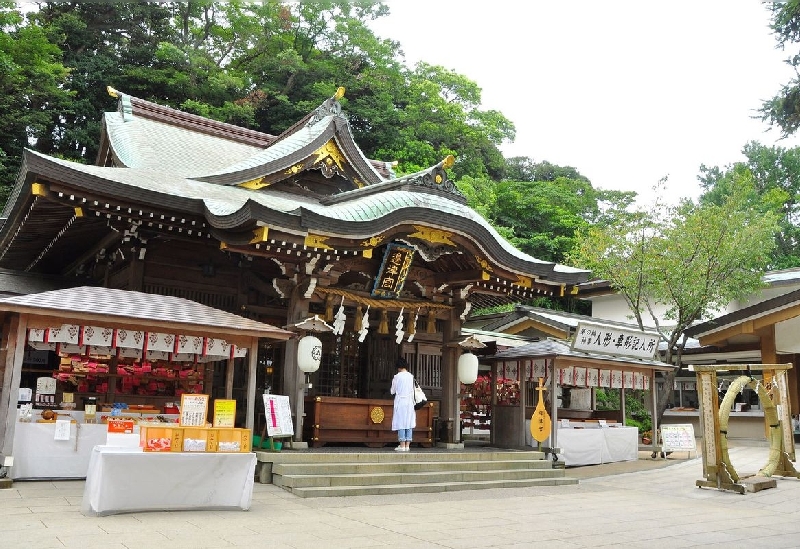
[[404, 417]]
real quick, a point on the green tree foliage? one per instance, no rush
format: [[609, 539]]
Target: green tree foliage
[[32, 86], [263, 65], [775, 172], [783, 110], [539, 207], [99, 42], [690, 259]]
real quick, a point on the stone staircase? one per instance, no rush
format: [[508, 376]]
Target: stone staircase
[[319, 474]]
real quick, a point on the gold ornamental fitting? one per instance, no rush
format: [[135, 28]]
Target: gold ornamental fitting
[[376, 414]]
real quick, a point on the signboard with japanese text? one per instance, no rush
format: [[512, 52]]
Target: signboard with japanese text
[[224, 413], [194, 409], [278, 414], [393, 271], [678, 437], [611, 340]]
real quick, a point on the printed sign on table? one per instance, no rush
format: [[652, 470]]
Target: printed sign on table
[[279, 415], [224, 413], [194, 410]]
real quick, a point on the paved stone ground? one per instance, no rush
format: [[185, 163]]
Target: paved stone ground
[[644, 504]]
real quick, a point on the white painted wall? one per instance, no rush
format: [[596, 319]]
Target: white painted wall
[[613, 306]]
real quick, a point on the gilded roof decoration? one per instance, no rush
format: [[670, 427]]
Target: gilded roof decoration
[[484, 264], [372, 242], [326, 156], [317, 241], [524, 281], [434, 236], [260, 235], [254, 184]]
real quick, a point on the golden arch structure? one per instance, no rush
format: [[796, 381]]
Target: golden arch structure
[[718, 471]]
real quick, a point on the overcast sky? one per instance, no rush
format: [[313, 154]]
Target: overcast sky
[[627, 92]]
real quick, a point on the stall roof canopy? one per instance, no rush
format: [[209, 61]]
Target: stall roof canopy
[[555, 349], [137, 309]]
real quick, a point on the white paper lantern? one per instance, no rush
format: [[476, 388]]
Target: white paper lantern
[[467, 368], [309, 353]]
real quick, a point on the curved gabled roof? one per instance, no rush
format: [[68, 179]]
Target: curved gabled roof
[[359, 214], [146, 135], [309, 188]]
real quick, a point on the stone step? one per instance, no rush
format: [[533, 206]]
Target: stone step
[[394, 478], [389, 489], [388, 455], [404, 466]]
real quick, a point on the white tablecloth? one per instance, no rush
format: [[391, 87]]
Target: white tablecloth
[[37, 455], [592, 446], [121, 481]]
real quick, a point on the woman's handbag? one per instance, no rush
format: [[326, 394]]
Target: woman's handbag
[[420, 399]]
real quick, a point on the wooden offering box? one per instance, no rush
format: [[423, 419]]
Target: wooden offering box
[[161, 439], [196, 439], [339, 419], [230, 440]]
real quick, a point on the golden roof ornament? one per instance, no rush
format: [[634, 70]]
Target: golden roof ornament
[[339, 93]]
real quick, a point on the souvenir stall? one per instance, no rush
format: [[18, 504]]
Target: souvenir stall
[[119, 355], [594, 359]]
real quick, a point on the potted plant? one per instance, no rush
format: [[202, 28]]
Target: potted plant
[[647, 437]]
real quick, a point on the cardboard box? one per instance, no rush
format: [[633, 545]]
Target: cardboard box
[[161, 439]]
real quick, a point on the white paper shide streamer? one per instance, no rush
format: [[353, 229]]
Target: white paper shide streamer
[[339, 319], [399, 327], [364, 326]]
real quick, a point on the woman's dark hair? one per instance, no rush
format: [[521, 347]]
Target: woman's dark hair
[[401, 363]]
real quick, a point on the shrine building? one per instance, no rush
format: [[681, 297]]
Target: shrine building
[[276, 229]]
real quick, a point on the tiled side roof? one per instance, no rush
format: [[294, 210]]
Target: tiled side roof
[[137, 307], [147, 109], [143, 143], [763, 308]]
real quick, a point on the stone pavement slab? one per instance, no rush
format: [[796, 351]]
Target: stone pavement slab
[[650, 505]]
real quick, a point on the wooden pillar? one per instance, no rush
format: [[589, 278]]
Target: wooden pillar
[[768, 353], [14, 339], [451, 402], [229, 371], [252, 360], [136, 274], [293, 378]]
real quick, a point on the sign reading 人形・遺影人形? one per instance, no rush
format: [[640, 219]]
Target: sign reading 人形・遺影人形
[[393, 271], [611, 340]]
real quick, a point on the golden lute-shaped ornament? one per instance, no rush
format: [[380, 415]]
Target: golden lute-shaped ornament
[[540, 420]]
